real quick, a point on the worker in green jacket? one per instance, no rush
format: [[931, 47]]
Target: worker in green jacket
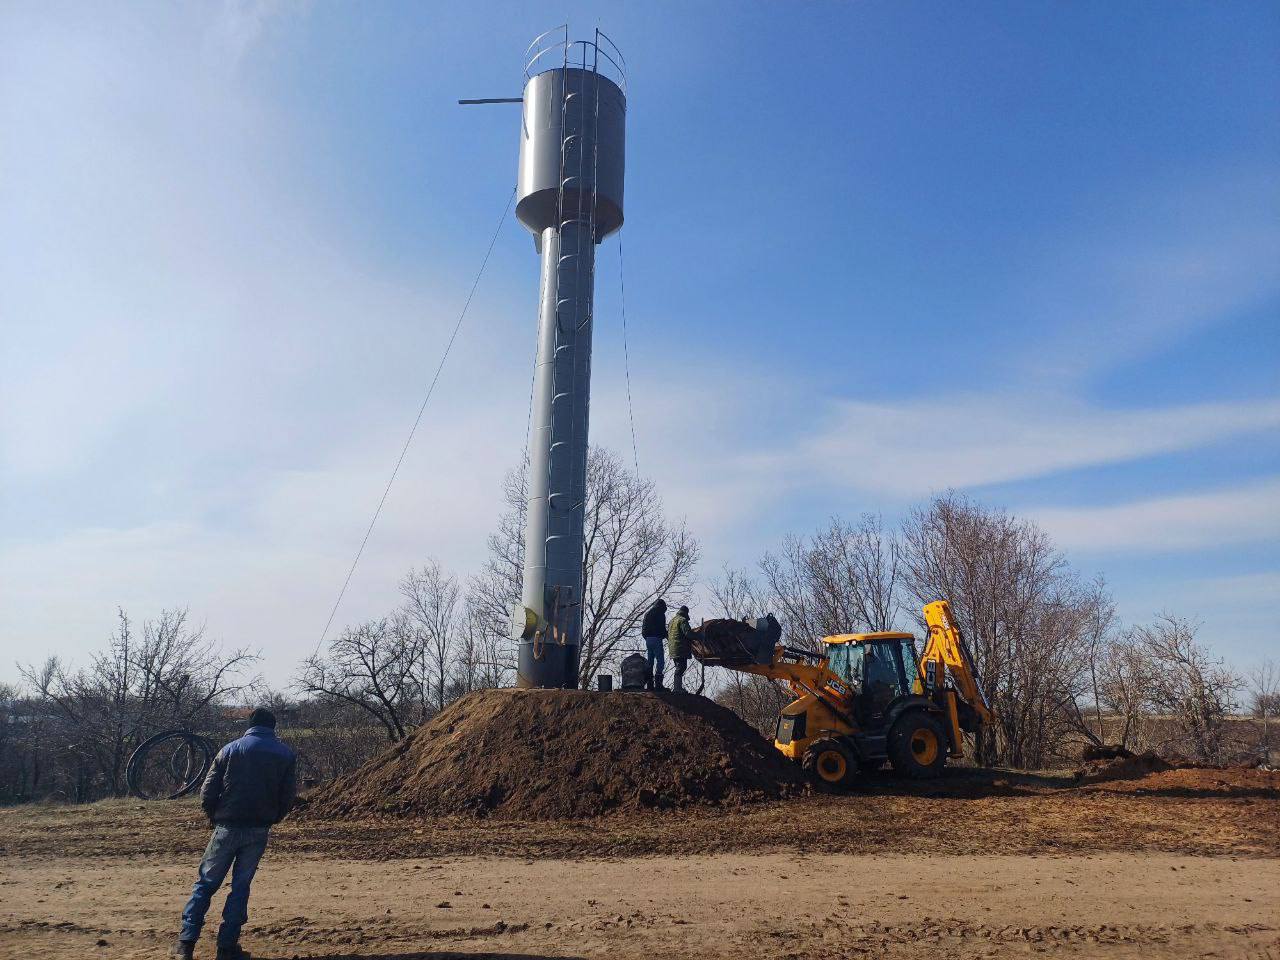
[[679, 646]]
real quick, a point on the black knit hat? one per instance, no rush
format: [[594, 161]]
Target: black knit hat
[[262, 717]]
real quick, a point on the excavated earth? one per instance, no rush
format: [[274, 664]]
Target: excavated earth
[[564, 754]]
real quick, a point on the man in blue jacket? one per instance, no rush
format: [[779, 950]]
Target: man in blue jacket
[[251, 786], [654, 631]]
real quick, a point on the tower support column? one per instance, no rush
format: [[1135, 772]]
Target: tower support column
[[569, 196]]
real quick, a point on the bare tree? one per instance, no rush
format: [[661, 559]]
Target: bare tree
[[431, 607], [482, 659], [170, 676], [1196, 690], [737, 596], [632, 555], [1124, 681], [846, 579], [1026, 617], [1098, 627], [1264, 695], [375, 667], [494, 592]]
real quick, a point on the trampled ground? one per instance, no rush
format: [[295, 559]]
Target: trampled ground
[[1184, 863]]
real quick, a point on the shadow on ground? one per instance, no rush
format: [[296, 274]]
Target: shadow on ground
[[434, 955], [972, 783]]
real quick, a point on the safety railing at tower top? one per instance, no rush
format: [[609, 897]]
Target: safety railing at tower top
[[600, 55]]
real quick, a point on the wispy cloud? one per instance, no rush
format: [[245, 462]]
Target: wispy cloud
[[963, 441], [1247, 513]]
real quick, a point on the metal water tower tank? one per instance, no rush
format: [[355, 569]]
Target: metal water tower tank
[[569, 196]]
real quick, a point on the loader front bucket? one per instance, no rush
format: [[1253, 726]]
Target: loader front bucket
[[733, 643]]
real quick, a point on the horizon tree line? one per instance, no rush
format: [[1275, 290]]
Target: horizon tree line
[[1054, 661]]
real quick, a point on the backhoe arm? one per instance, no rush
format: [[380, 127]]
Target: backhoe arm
[[945, 652]]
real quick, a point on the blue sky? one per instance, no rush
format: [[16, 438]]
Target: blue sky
[[1030, 251]]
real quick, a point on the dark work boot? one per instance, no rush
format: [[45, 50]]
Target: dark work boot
[[233, 952], [183, 950]]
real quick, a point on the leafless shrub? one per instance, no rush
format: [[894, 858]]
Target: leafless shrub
[[846, 578], [1189, 685], [1029, 621], [169, 676], [1264, 699], [374, 667], [1123, 693]]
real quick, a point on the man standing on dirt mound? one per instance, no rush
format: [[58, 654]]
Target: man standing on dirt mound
[[679, 645], [251, 786], [654, 631]]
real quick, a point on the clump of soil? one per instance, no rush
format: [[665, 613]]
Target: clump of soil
[[1104, 751], [1119, 764], [1121, 771], [1204, 781], [557, 754]]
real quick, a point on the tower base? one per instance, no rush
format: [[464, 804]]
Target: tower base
[[557, 667]]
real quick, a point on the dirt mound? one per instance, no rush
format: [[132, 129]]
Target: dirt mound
[[1120, 765], [556, 754], [1201, 781]]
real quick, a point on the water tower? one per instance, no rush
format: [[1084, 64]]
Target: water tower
[[569, 196]]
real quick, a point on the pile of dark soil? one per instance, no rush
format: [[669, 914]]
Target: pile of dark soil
[[558, 754], [729, 643]]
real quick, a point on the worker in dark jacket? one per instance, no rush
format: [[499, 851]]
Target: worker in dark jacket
[[654, 631], [251, 786], [679, 646]]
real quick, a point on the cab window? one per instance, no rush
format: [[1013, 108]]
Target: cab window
[[845, 661], [910, 665], [882, 670]]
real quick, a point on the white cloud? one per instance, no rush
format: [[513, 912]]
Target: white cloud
[[913, 449], [1248, 513], [269, 577]]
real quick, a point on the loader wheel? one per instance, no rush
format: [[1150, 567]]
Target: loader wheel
[[917, 746], [829, 764]]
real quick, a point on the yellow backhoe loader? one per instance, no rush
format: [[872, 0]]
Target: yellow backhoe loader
[[866, 698]]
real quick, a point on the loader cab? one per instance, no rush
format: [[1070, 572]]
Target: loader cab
[[880, 667]]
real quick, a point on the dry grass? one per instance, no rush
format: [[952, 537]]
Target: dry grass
[[1199, 812]]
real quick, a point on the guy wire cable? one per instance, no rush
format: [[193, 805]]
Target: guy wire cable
[[417, 420], [626, 359]]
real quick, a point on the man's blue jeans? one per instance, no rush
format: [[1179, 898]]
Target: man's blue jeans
[[242, 846], [656, 648]]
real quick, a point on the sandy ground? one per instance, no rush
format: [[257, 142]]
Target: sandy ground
[[728, 905], [1018, 867]]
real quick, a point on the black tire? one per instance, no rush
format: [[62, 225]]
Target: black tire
[[917, 746], [183, 759], [829, 765]]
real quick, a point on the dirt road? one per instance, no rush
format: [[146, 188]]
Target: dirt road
[[1188, 866], [731, 905]]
